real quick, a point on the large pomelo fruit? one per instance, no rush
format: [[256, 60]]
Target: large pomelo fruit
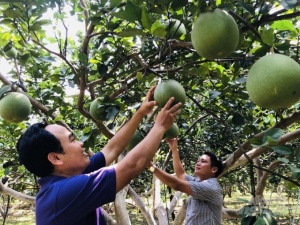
[[172, 132], [167, 89], [273, 82], [15, 107], [215, 34], [137, 138]]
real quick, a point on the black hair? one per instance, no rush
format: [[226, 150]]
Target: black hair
[[33, 147], [215, 162]]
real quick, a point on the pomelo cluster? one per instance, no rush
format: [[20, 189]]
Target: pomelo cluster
[[215, 34], [273, 82], [15, 107]]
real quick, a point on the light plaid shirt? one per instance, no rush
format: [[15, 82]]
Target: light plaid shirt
[[205, 203]]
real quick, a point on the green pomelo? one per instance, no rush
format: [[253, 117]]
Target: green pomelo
[[137, 138], [167, 89], [172, 132], [274, 82], [15, 107], [215, 34], [97, 110]]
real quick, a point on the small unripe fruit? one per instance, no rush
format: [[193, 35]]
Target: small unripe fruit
[[172, 132], [97, 110], [15, 107]]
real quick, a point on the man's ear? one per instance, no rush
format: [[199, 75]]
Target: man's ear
[[54, 158], [214, 169]]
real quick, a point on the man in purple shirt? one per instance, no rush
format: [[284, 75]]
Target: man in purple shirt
[[74, 186]]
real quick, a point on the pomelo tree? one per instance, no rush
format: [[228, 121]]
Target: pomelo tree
[[121, 48]]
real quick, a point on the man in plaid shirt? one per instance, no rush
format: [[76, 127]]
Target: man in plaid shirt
[[205, 202]]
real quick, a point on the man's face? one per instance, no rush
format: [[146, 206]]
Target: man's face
[[203, 168], [74, 159]]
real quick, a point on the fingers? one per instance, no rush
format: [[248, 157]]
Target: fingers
[[150, 94], [169, 103]]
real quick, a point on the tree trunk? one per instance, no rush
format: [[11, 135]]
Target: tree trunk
[[121, 212], [180, 216], [159, 209], [140, 204]]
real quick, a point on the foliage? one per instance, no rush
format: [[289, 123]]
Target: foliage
[[120, 49]]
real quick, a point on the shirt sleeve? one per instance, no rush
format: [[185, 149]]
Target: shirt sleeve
[[97, 161], [207, 190], [95, 189]]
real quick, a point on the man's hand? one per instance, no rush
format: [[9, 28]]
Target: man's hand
[[167, 116], [173, 143], [148, 104]]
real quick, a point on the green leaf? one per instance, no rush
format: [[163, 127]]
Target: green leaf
[[294, 169], [256, 142], [83, 58], [247, 211], [85, 137], [129, 32], [214, 94], [111, 112], [274, 133], [115, 3], [132, 13], [282, 150], [139, 76], [12, 13], [146, 19], [268, 217], [267, 36], [271, 142], [249, 220], [218, 2], [158, 28], [4, 89], [260, 221], [178, 4], [284, 25], [288, 4], [284, 160]]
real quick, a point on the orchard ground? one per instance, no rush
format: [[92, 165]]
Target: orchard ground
[[281, 205]]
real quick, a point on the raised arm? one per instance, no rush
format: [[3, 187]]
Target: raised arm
[[172, 181], [120, 140], [140, 156], [178, 167]]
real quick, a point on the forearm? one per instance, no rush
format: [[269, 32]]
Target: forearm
[[125, 133], [139, 157], [177, 165], [167, 178], [118, 143], [172, 181]]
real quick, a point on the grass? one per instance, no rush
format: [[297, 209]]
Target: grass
[[280, 204]]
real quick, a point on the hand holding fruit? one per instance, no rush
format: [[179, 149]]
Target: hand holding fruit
[[167, 116], [173, 143], [148, 104]]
